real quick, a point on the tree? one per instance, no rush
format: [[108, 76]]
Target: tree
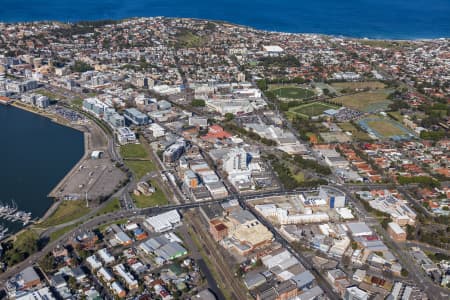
[[47, 263], [198, 103], [229, 117], [81, 66]]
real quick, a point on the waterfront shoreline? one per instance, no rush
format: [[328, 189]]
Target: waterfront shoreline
[[56, 119], [368, 37]]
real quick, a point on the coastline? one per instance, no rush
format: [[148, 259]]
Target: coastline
[[368, 36]]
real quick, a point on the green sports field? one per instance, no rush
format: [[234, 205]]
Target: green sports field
[[294, 93], [311, 109]]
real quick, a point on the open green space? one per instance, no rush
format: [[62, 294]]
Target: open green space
[[365, 101], [292, 92], [112, 206], [130, 151], [50, 95], [24, 244], [67, 211], [156, 199], [311, 109], [77, 101], [140, 167], [358, 85], [386, 129], [299, 176], [357, 134], [188, 39]]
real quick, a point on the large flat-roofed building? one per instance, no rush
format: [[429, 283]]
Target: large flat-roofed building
[[41, 294], [284, 290], [355, 293], [235, 106], [163, 222], [94, 106], [359, 229], [247, 232], [113, 118], [335, 198], [174, 152], [136, 117], [396, 232], [125, 135], [201, 122], [22, 282]]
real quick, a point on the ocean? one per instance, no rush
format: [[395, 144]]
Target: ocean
[[35, 154], [386, 19]]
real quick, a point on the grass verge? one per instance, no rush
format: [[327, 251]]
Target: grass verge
[[58, 233], [112, 206]]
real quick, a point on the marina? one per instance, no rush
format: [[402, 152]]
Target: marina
[[11, 213]]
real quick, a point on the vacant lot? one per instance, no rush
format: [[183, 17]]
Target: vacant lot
[[366, 101], [156, 199], [373, 85], [384, 128], [356, 133], [295, 93], [131, 151], [140, 167], [67, 211], [312, 109]]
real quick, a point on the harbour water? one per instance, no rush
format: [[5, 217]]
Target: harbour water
[[35, 154], [390, 19]]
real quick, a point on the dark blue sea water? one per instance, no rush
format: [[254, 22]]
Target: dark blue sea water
[[35, 154], [396, 19]]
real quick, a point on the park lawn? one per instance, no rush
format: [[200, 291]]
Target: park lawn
[[189, 39], [140, 167], [312, 109], [24, 244], [365, 101], [293, 93], [156, 199], [77, 102], [50, 95], [111, 206], [373, 85], [67, 211], [356, 133], [129, 151], [386, 129], [299, 177]]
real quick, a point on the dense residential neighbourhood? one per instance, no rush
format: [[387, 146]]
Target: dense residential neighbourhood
[[225, 162]]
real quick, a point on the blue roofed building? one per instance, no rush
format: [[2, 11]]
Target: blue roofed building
[[136, 117]]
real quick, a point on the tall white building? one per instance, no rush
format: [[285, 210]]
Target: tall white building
[[235, 161]]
